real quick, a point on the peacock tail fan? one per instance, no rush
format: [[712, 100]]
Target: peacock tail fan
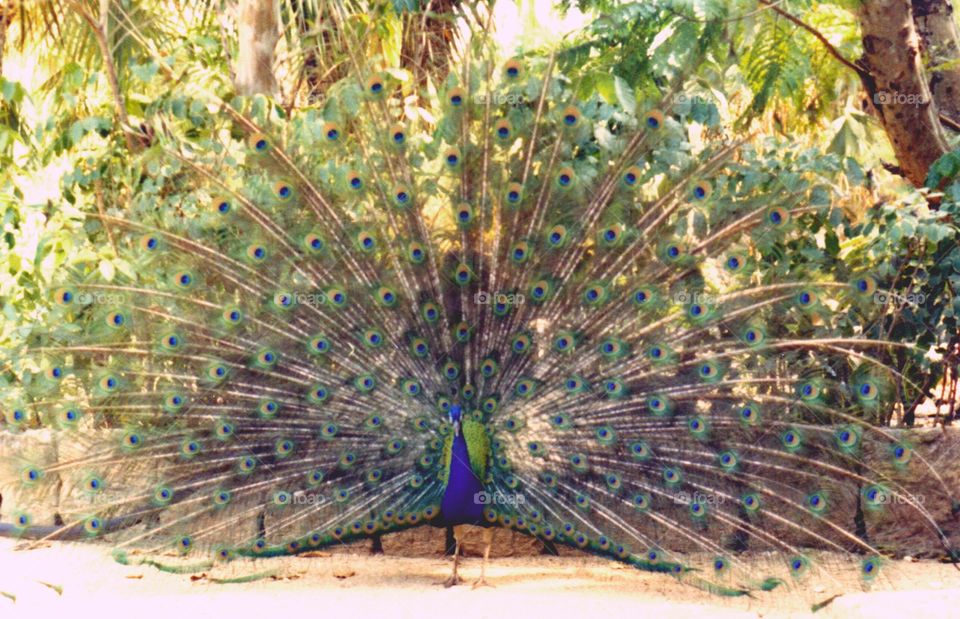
[[643, 371]]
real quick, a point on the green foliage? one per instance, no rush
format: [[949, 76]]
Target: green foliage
[[913, 253], [740, 60], [772, 60], [945, 169]]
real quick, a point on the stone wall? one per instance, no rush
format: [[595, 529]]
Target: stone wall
[[897, 527]]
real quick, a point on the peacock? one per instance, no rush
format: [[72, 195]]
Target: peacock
[[582, 320]]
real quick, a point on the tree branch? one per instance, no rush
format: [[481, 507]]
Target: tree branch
[[100, 34], [816, 33], [864, 75]]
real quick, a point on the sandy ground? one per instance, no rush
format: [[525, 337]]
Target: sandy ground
[[61, 580]]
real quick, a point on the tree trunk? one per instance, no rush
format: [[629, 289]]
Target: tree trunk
[[6, 16], [102, 35], [898, 86], [99, 24], [258, 33], [940, 43]]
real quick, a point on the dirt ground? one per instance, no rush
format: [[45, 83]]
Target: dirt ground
[[82, 580]]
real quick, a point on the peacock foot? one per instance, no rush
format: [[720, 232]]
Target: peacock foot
[[482, 582], [452, 581]]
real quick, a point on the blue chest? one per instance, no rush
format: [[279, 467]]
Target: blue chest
[[459, 504]]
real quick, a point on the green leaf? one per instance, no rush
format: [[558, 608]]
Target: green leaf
[[624, 93], [179, 108], [145, 72], [607, 89], [77, 131], [12, 91], [943, 169], [848, 139], [832, 243]]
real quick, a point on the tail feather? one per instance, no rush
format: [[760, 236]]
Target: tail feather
[[309, 295]]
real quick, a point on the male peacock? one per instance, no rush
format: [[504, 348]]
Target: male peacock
[[559, 316]]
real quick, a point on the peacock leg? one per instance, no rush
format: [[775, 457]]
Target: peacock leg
[[487, 542], [458, 536]]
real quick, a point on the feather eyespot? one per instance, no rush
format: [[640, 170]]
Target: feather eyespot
[[376, 85], [149, 242], [488, 368], [464, 214], [184, 280], [331, 131], [456, 96], [430, 312], [653, 119], [283, 191], [451, 157], [514, 193], [92, 526], [701, 190], [411, 388], [283, 447], [865, 286], [462, 275], [451, 370], [778, 217], [258, 142], [246, 465], [64, 296], [503, 129], [313, 243], [398, 135], [791, 439], [570, 116], [564, 341], [513, 69], [318, 394], [401, 196]]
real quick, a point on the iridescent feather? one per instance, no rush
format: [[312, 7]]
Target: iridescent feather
[[351, 299]]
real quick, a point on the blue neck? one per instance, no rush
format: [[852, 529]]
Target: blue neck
[[458, 505]]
